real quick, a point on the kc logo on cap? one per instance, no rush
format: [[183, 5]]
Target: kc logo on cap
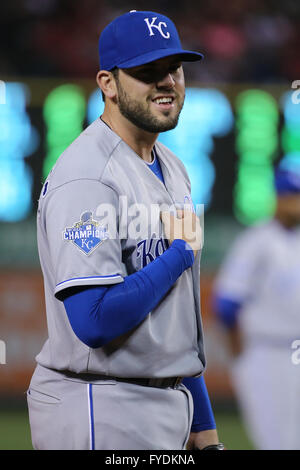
[[159, 27], [140, 37]]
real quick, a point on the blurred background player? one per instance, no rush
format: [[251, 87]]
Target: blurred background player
[[257, 297]]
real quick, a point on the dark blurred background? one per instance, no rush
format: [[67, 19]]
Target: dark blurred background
[[250, 41], [48, 64]]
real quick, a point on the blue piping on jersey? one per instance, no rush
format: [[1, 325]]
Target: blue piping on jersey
[[91, 410], [88, 277]]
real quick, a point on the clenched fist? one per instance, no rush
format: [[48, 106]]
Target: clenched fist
[[185, 226]]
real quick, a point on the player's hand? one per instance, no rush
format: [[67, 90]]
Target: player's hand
[[185, 226], [203, 440]]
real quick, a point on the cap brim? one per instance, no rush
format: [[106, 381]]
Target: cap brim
[[185, 56]]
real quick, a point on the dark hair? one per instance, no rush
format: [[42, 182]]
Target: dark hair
[[115, 72]]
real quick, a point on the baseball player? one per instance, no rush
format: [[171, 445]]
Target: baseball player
[[122, 367], [257, 297]]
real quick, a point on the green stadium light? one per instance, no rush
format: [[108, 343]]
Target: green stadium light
[[64, 114], [257, 119]]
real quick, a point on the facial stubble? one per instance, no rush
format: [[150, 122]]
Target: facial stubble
[[141, 116]]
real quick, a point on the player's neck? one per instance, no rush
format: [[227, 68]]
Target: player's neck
[[140, 141]]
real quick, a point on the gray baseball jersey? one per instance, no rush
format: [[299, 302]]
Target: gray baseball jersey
[[99, 173]]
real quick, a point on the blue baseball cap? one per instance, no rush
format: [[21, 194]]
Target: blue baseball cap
[[140, 37], [287, 182]]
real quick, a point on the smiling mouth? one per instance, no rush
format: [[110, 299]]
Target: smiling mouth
[[164, 102]]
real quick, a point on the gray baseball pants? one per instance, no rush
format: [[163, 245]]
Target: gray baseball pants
[[69, 413]]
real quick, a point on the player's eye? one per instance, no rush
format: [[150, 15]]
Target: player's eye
[[174, 68], [153, 74], [146, 76]]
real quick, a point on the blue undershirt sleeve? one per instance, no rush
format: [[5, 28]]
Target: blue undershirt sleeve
[[226, 309], [99, 314], [203, 418]]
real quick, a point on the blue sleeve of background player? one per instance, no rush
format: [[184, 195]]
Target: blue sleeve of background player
[[226, 309], [100, 314]]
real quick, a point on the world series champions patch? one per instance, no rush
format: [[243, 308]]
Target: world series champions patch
[[87, 234]]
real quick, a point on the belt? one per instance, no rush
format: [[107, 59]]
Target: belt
[[168, 382]]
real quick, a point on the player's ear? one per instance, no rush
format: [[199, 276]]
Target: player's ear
[[107, 84]]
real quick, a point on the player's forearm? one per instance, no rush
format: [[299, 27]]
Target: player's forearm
[[203, 418], [100, 314]]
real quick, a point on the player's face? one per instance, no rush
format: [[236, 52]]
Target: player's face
[[288, 208], [151, 96]]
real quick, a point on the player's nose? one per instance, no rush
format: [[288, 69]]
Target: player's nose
[[166, 82]]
